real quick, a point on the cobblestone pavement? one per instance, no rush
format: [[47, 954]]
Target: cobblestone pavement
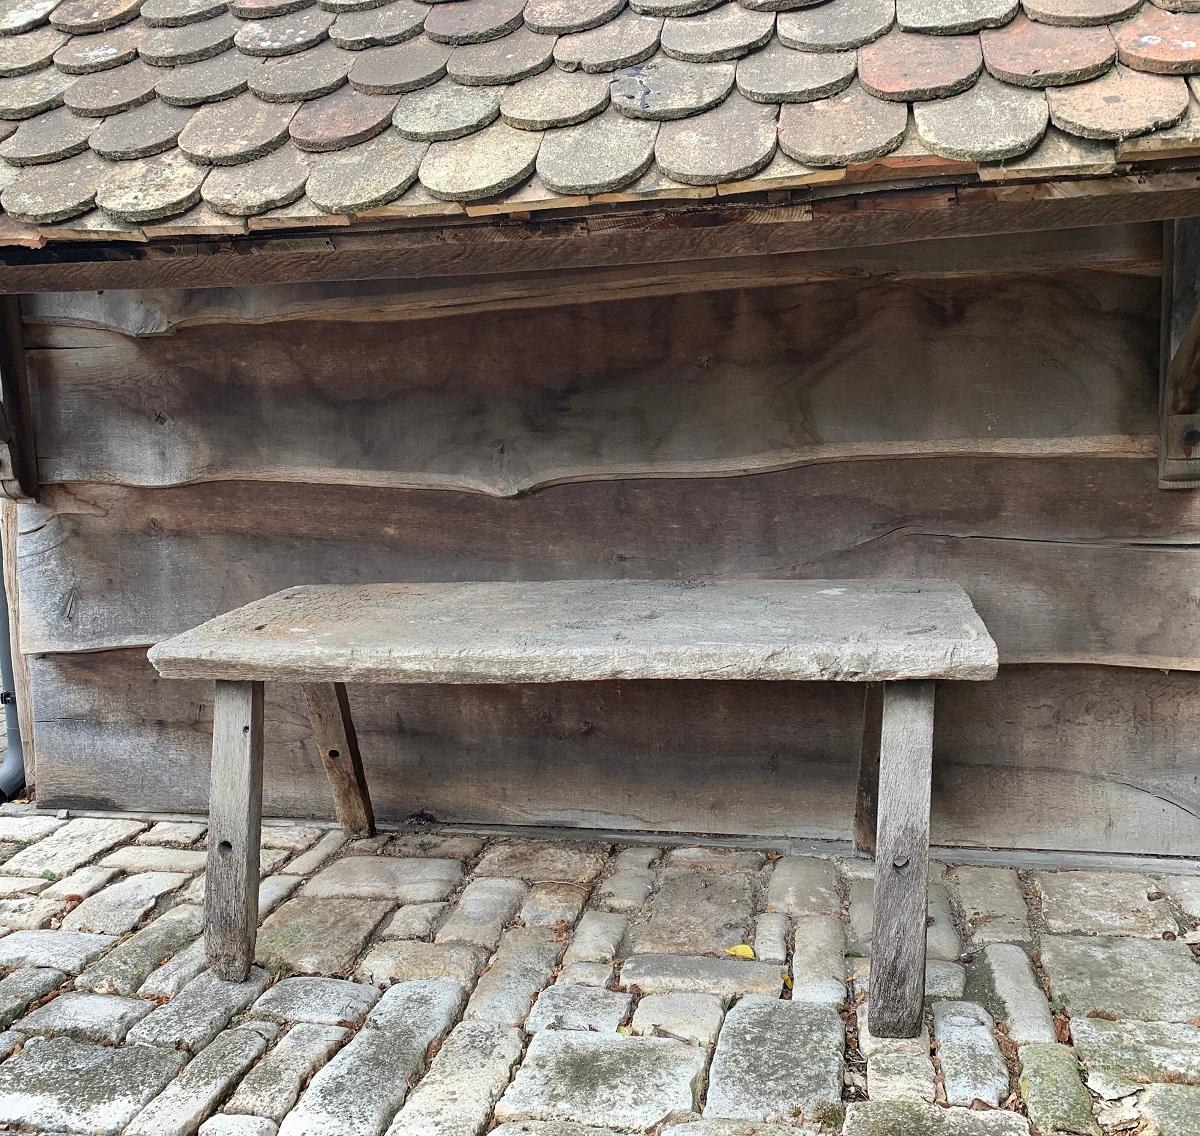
[[437, 983]]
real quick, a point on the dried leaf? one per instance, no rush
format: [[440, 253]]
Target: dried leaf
[[741, 951]]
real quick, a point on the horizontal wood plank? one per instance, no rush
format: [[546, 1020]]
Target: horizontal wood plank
[[1133, 248], [693, 385], [1066, 560], [1105, 753]]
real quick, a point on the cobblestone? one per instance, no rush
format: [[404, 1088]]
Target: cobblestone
[[120, 907], [992, 904], [413, 921], [1171, 1110], [148, 858], [686, 974], [321, 1001], [319, 936], [541, 861], [625, 891], [776, 1060], [603, 1079], [698, 911], [1103, 903], [521, 967], [598, 938], [1026, 1010], [199, 1012], [85, 1017], [803, 885], [1120, 1055], [553, 905], [401, 960], [131, 962], [694, 1018], [912, 1118], [69, 951], [771, 930], [483, 910], [1055, 1099], [394, 878], [900, 1077], [173, 833], [273, 1086], [329, 845], [972, 1065], [70, 847], [23, 986], [577, 1007], [818, 960], [362, 1088]]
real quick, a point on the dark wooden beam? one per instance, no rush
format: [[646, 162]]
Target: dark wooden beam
[[18, 461], [702, 234], [1179, 400]]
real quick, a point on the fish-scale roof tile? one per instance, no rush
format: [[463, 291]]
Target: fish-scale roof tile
[[120, 119]]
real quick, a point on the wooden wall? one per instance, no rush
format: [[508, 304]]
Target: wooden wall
[[999, 427]]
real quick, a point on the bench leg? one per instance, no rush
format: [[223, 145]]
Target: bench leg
[[867, 800], [333, 731], [902, 860], [235, 816]]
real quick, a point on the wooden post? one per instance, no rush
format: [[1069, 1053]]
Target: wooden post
[[867, 799], [902, 860], [235, 816], [337, 743]]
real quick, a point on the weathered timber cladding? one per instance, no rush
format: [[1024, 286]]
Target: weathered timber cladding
[[1000, 430], [1067, 560], [687, 385], [1089, 757]]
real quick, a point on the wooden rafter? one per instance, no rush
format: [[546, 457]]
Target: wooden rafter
[[1179, 451]]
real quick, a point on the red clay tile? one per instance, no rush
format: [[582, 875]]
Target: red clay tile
[[1030, 54], [851, 126], [1120, 104], [904, 66], [1079, 13], [1167, 43], [341, 119], [473, 21], [82, 16]]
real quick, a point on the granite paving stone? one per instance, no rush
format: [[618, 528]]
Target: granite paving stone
[[484, 908], [174, 833], [1055, 1099], [622, 42], [598, 938], [65, 1086], [121, 906], [779, 74], [391, 23], [729, 142], [15, 886], [726, 32], [195, 1093], [942, 979], [329, 845], [688, 974], [871, 1046], [29, 913], [401, 880], [318, 935], [436, 845], [130, 962], [254, 187], [697, 911], [552, 905], [1032, 54], [992, 903], [292, 837], [1121, 103], [603, 1080], [68, 951], [27, 829], [1026, 1010], [401, 960], [464, 1081], [85, 1017], [851, 126], [1185, 891], [198, 1012], [776, 1060], [1120, 1055], [24, 985], [537, 861], [81, 883], [836, 27], [70, 847], [222, 1125], [972, 1065], [362, 1088], [1135, 978], [901, 1077], [1103, 903], [693, 1018], [610, 155], [915, 1118], [167, 980], [819, 960], [414, 921], [521, 967], [320, 1001], [771, 932], [273, 1086], [1171, 1110], [578, 1007]]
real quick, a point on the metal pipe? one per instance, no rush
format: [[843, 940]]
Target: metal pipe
[[12, 766]]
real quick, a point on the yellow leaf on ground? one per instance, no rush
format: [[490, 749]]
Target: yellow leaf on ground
[[741, 951]]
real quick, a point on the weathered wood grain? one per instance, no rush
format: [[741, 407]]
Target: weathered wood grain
[[20, 663], [1135, 248], [336, 741], [593, 630], [902, 860], [1068, 560], [708, 232], [866, 798], [234, 821], [1107, 752], [1179, 362], [694, 385]]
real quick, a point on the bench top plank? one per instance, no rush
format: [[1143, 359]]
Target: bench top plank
[[587, 630]]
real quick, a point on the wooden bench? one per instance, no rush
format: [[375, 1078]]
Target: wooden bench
[[898, 636]]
